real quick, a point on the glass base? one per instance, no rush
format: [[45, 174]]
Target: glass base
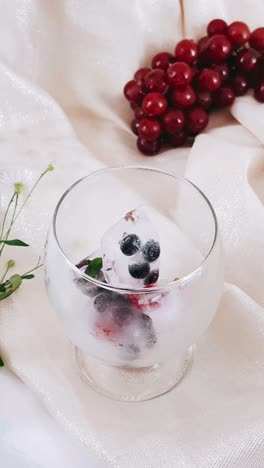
[[131, 383]]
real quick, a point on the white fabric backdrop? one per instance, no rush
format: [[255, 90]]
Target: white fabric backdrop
[[63, 65]]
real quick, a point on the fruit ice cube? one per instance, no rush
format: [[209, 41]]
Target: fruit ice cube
[[131, 251]]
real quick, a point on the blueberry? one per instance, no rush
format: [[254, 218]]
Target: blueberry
[[102, 302], [145, 321], [122, 316], [152, 277], [130, 244], [139, 270], [150, 335], [151, 250]]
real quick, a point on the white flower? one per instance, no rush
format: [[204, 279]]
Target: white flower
[[16, 178]]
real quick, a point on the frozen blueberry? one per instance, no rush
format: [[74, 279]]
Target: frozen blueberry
[[130, 244], [150, 335], [122, 315], [145, 321], [102, 302], [139, 270], [152, 277], [151, 250], [133, 349]]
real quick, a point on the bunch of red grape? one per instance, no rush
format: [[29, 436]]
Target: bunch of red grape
[[172, 100]]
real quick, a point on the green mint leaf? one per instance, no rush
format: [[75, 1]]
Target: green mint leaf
[[28, 277], [94, 267], [16, 242], [1, 362]]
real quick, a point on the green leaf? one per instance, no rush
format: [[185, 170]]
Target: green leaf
[[27, 277], [1, 362], [94, 267], [10, 286], [16, 242], [15, 281]]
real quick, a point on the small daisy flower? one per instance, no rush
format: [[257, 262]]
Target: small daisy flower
[[16, 178]]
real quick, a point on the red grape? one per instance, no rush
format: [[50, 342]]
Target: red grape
[[216, 26], [186, 51], [162, 60], [179, 74], [149, 148], [256, 39], [259, 91], [149, 129], [196, 120], [209, 80], [173, 120], [140, 74], [183, 98], [134, 126], [156, 80], [202, 43], [204, 99], [239, 84], [247, 60], [238, 33], [222, 69], [218, 48], [224, 97], [154, 104], [176, 139], [133, 92], [139, 113]]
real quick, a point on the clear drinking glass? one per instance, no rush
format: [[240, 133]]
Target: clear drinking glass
[[144, 358]]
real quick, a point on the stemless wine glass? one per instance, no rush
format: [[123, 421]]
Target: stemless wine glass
[[134, 344]]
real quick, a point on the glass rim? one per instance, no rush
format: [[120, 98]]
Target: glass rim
[[163, 288]]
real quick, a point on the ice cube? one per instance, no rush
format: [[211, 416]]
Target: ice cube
[[131, 250]]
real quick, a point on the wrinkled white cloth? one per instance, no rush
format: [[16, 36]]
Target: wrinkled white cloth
[[63, 65]]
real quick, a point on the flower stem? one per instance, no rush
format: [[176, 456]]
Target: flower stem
[[6, 213], [39, 265], [49, 168], [11, 223]]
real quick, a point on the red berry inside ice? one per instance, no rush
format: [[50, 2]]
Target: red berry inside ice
[[186, 51], [149, 129], [238, 33], [179, 74], [163, 60], [173, 120], [154, 104]]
